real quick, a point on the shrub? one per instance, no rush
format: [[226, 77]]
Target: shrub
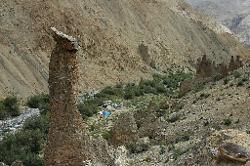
[[2, 111], [131, 90], [204, 96], [150, 83], [40, 101], [137, 147], [3, 114], [236, 74], [245, 79], [89, 108], [38, 123], [182, 137], [31, 159], [146, 89], [225, 81], [1, 106], [24, 146], [106, 135], [227, 121], [112, 91], [217, 77], [155, 86], [173, 80], [160, 112], [129, 94], [240, 83], [160, 88], [9, 107], [108, 90]]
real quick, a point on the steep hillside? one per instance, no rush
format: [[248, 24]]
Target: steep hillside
[[121, 40], [233, 14]]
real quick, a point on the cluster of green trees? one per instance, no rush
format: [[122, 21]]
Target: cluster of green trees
[[160, 84]]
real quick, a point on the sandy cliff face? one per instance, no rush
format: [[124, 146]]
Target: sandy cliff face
[[121, 40]]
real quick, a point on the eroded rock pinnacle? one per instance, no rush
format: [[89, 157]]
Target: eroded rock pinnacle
[[66, 133]]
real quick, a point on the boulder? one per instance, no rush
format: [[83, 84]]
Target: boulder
[[230, 147], [233, 152]]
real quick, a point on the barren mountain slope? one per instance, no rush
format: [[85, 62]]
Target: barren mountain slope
[[233, 14], [121, 40]]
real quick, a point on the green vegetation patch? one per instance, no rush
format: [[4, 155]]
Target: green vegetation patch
[[9, 107], [137, 147], [166, 85], [27, 144], [227, 121], [40, 101]]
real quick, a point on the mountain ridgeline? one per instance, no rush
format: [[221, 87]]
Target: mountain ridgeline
[[233, 14], [121, 40]]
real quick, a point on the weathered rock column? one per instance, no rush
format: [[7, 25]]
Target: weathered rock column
[[66, 133]]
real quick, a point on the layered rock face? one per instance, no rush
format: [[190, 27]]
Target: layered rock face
[[65, 139]]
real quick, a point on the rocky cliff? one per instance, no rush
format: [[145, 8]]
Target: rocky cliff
[[233, 14], [121, 40]]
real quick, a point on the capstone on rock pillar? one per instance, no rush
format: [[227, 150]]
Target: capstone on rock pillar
[[66, 133]]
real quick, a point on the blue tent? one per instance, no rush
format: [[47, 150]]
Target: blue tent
[[106, 114]]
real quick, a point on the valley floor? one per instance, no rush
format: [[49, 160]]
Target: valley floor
[[151, 124]]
